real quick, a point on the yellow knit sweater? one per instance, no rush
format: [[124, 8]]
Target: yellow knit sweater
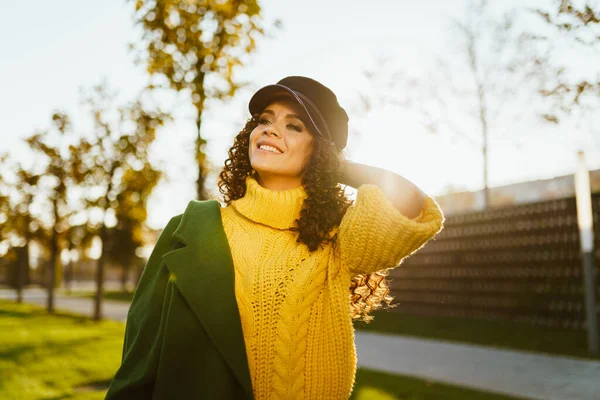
[[294, 305]]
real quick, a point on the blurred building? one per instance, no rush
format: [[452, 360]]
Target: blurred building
[[517, 193]]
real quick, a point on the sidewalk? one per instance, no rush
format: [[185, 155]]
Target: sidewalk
[[530, 375], [111, 309]]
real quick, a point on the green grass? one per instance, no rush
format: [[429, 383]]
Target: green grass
[[55, 356], [374, 385], [501, 334], [64, 356], [108, 295]]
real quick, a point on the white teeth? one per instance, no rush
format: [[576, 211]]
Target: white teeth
[[268, 148]]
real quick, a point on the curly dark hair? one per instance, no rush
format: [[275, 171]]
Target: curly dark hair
[[322, 210]]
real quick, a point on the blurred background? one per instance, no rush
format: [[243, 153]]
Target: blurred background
[[115, 114]]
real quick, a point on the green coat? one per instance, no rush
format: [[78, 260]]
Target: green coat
[[183, 338]]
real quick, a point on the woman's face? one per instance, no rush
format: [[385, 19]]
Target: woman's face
[[281, 127]]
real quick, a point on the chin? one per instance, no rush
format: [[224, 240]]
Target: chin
[[264, 166], [266, 172]]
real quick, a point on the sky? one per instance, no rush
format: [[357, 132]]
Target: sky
[[72, 45]]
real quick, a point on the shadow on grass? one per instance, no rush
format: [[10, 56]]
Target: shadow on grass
[[378, 385], [18, 353], [95, 386], [10, 309], [90, 387], [20, 314]]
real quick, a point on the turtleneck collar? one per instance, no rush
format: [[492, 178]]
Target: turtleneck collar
[[275, 208]]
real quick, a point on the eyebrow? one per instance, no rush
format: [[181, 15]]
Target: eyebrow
[[287, 116]]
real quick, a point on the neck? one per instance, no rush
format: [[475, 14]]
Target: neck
[[275, 208], [273, 182]]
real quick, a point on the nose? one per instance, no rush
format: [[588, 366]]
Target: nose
[[269, 130]]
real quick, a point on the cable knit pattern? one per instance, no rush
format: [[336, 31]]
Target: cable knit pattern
[[294, 305]]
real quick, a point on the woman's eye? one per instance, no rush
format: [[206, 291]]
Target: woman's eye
[[263, 121]]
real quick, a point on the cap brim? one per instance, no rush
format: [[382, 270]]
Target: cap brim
[[265, 95]]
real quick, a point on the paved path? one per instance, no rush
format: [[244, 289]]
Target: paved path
[[522, 374], [111, 309]]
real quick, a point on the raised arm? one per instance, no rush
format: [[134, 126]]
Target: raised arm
[[390, 219]]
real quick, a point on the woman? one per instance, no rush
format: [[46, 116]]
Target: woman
[[253, 302]]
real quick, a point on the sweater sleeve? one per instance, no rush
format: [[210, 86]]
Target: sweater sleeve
[[374, 235]]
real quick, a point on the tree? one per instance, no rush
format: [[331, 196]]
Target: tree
[[79, 240], [19, 226], [131, 213], [114, 166], [196, 46], [467, 92], [58, 173], [15, 229], [5, 222], [568, 36]]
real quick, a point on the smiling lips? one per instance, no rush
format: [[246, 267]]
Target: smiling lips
[[269, 149]]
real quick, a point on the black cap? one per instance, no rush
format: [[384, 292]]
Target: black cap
[[319, 103]]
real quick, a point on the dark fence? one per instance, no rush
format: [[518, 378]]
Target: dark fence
[[520, 263]]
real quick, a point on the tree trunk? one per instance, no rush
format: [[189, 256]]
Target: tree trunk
[[482, 105], [100, 278], [21, 266], [200, 142], [125, 276], [484, 131], [202, 167], [22, 273], [69, 276], [51, 275]]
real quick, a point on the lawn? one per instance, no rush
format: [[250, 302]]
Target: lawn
[[501, 334], [68, 357], [55, 357], [374, 385]]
